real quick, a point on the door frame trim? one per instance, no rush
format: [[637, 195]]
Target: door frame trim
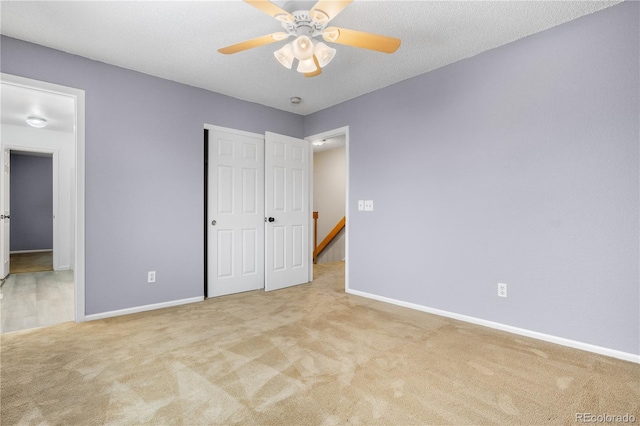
[[213, 128], [326, 135], [78, 96], [205, 212]]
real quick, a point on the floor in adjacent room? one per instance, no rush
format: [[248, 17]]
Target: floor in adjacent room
[[39, 261]]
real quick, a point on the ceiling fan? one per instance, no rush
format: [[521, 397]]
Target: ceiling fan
[[305, 25]]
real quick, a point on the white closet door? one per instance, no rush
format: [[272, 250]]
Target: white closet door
[[287, 211], [5, 226], [235, 213]]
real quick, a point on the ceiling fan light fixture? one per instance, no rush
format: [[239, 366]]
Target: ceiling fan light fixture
[[285, 56], [324, 53], [37, 122], [306, 66], [302, 48], [306, 24]]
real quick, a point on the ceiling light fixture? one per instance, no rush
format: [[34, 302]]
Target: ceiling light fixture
[[302, 48], [296, 100], [318, 143], [306, 65], [285, 56], [324, 53], [312, 56], [37, 122]]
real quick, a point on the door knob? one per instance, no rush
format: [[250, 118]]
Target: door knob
[[272, 219], [213, 222]]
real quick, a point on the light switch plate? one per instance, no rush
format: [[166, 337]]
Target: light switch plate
[[360, 205], [368, 205]]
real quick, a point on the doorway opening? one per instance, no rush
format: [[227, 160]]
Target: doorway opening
[[34, 194], [62, 141], [330, 195]]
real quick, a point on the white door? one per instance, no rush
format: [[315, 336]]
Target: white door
[[235, 213], [287, 211], [5, 226]]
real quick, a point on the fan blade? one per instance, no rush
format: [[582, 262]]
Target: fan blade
[[254, 42], [271, 10], [361, 39], [326, 10], [318, 70]]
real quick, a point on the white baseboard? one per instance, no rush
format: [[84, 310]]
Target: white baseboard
[[503, 327], [30, 251], [143, 308]]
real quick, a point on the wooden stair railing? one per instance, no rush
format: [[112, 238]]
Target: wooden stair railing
[[315, 234], [334, 232]]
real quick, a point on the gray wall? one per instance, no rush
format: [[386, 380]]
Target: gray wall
[[144, 172], [519, 165], [31, 203]]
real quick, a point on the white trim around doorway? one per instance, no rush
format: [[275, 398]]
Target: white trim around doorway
[[79, 98]]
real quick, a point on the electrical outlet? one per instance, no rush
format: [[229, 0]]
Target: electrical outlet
[[502, 290], [368, 205], [151, 276], [360, 205]]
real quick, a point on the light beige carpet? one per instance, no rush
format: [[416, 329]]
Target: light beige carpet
[[309, 355]]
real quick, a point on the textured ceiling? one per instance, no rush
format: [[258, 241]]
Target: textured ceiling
[[179, 41]]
